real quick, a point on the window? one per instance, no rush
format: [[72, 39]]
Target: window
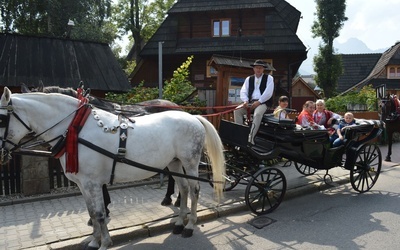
[[221, 27], [393, 72], [211, 71]]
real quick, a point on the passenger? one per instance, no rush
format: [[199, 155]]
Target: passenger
[[338, 137], [305, 119], [280, 111], [322, 116], [257, 90]]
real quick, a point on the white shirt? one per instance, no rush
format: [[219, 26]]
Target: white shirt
[[262, 97]]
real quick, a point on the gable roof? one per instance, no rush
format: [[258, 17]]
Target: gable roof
[[356, 67], [290, 14], [282, 19], [390, 56], [61, 62], [300, 81]]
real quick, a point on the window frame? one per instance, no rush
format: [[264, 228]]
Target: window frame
[[220, 22], [395, 74]]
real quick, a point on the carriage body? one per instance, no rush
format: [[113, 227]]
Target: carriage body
[[281, 137]]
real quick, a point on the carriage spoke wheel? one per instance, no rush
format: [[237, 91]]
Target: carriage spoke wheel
[[304, 169], [367, 168], [265, 191]]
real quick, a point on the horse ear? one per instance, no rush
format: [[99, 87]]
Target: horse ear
[[24, 88], [5, 98]]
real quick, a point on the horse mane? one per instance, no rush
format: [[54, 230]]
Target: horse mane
[[145, 107], [64, 91]]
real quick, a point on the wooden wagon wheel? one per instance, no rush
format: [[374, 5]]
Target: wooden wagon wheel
[[367, 168], [304, 169], [265, 191]]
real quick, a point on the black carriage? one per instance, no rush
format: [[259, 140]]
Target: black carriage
[[309, 150]]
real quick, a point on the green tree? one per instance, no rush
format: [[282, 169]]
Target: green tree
[[179, 87], [50, 18], [140, 19], [330, 19]]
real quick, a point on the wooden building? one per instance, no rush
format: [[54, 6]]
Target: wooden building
[[378, 69], [59, 62], [241, 30], [302, 92]]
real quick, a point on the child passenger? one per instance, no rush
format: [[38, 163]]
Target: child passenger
[[338, 137], [280, 111]]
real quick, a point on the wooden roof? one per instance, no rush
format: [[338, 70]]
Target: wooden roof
[[235, 62], [390, 56], [356, 67], [281, 18], [60, 62], [290, 14]]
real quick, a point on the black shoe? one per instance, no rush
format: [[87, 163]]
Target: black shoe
[[166, 202], [177, 202]]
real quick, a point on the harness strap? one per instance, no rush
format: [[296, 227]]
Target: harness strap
[[138, 165], [71, 148], [123, 135]]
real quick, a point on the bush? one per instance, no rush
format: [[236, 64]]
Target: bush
[[366, 95]]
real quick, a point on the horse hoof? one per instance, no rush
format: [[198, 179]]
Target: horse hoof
[[178, 229], [388, 159], [187, 233]]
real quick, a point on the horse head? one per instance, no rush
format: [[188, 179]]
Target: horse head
[[12, 127], [389, 107]]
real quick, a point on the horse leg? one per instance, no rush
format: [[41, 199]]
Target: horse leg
[[93, 195], [194, 190], [192, 187], [176, 166], [390, 141]]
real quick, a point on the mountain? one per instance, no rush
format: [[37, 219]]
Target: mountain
[[355, 46], [351, 46]]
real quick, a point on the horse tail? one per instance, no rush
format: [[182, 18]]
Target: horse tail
[[215, 153]]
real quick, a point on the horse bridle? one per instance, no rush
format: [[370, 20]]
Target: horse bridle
[[5, 123], [5, 154]]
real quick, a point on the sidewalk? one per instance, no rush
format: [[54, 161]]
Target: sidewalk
[[60, 222]]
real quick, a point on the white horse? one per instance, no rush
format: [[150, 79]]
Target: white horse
[[173, 138]]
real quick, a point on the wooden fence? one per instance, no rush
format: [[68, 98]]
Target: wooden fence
[[10, 177]]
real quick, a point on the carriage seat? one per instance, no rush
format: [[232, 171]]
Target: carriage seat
[[271, 120]]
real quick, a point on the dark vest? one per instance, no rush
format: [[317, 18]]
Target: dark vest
[[263, 86]]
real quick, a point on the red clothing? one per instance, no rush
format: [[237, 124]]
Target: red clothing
[[305, 119]]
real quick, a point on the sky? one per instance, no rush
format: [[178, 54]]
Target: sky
[[376, 23]]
